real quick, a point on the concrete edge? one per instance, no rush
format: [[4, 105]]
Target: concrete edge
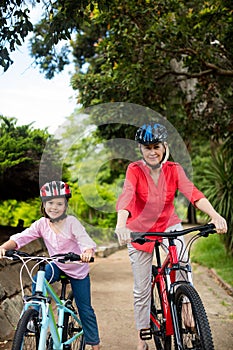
[[105, 251], [221, 282]]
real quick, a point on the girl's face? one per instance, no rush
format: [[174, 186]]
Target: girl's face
[[153, 154], [55, 207]]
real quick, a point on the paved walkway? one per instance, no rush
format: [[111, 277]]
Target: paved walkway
[[112, 287], [112, 299]]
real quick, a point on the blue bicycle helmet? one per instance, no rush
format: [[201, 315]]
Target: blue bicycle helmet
[[150, 134]]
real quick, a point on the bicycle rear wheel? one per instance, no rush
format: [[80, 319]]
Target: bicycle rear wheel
[[25, 338], [72, 327], [161, 340], [192, 319]]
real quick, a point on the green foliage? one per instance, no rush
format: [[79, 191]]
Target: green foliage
[[218, 186], [28, 158], [12, 210], [15, 26], [86, 205], [160, 55], [94, 188], [211, 252], [59, 19], [20, 151]]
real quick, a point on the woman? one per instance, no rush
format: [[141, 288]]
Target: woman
[[147, 205]]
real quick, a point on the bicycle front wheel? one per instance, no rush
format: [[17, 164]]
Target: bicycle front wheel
[[72, 327], [161, 340], [27, 333], [193, 323]]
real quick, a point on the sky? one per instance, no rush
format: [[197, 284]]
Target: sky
[[26, 95]]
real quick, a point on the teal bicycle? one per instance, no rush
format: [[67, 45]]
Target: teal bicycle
[[47, 321]]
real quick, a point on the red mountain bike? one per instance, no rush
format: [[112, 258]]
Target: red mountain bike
[[177, 311]]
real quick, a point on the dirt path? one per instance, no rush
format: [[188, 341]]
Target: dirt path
[[112, 298], [112, 287]]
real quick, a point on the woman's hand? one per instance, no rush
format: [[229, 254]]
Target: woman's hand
[[87, 255], [123, 235], [220, 223]]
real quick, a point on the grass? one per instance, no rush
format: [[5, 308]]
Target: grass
[[211, 252]]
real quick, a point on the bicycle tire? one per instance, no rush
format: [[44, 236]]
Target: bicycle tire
[[71, 326], [24, 339], [193, 323], [161, 340]]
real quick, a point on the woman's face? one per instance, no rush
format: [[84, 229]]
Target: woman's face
[[55, 207], [153, 154]]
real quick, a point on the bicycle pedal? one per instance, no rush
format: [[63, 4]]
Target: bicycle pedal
[[146, 334]]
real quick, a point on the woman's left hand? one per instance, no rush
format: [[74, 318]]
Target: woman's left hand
[[220, 223]]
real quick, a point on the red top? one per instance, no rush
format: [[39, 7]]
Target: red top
[[151, 208]]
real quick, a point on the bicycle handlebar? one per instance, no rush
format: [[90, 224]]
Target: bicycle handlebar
[[140, 237], [16, 254]]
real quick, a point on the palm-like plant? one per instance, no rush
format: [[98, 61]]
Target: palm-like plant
[[219, 186]]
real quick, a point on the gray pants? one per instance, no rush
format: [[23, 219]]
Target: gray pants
[[141, 266]]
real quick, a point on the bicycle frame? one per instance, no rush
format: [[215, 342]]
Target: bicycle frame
[[165, 278], [48, 318], [166, 269], [42, 301]]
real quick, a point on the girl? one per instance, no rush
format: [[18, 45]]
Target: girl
[[63, 233]]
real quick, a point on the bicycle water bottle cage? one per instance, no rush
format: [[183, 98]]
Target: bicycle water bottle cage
[[146, 334]]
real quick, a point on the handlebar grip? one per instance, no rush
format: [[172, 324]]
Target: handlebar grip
[[211, 225], [71, 257], [10, 253]]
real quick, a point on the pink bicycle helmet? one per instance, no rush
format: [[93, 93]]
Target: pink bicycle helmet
[[54, 189]]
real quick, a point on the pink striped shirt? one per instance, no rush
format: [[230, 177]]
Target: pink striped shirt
[[72, 238]]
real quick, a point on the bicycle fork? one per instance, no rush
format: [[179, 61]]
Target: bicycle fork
[[171, 298]]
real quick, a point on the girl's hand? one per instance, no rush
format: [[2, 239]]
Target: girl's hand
[[87, 255], [220, 223], [2, 252]]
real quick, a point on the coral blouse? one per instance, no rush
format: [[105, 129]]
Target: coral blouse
[[150, 206]]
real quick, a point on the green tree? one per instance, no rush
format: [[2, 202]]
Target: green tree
[[218, 185], [11, 211], [22, 167], [173, 56], [59, 19]]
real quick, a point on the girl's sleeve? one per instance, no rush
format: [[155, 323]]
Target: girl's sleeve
[[185, 186], [28, 235], [83, 239], [127, 198]]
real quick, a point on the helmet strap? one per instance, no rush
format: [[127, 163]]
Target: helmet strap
[[61, 217]]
